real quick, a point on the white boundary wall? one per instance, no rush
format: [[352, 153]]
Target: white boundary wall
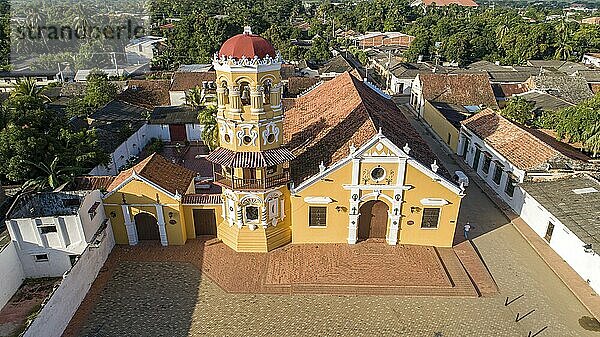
[[12, 275], [132, 147], [58, 310]]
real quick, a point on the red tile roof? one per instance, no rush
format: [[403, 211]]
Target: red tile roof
[[146, 93], [93, 182], [183, 81], [342, 112], [155, 168], [460, 89], [525, 148]]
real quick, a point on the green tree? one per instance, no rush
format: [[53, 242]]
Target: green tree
[[519, 110], [52, 175], [210, 133], [579, 123], [99, 91]]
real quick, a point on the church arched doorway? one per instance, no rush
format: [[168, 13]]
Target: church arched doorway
[[147, 226], [372, 223]]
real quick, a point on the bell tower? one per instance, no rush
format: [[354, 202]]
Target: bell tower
[[250, 163]]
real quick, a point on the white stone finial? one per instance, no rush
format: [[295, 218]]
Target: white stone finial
[[380, 131], [352, 148], [321, 167], [434, 166], [247, 30], [406, 149]]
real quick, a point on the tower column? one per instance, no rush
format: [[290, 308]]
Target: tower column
[[256, 100], [221, 97], [276, 97], [235, 100]]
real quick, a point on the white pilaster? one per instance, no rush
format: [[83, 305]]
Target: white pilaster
[[130, 226], [161, 225], [353, 216]]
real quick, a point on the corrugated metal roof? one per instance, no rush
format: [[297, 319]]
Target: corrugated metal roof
[[225, 157]]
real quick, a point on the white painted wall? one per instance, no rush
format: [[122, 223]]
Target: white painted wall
[[132, 147], [177, 97], [194, 132], [474, 141], [62, 305], [563, 241], [401, 86], [69, 239], [12, 275]]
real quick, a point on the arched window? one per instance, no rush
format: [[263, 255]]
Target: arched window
[[267, 92], [245, 93]]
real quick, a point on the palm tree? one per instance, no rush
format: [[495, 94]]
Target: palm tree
[[210, 134], [28, 88], [52, 176], [195, 98], [563, 45]]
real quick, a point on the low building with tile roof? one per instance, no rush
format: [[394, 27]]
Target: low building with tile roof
[[505, 154], [458, 94], [573, 88], [564, 212]]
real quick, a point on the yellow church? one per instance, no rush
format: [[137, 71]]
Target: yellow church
[[340, 164]]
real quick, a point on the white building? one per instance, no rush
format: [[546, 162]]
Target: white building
[[533, 173], [50, 230], [141, 50], [565, 213], [591, 59]]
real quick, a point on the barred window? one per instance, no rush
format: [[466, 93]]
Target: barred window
[[487, 160], [498, 174], [251, 213], [431, 218], [510, 186], [317, 216]]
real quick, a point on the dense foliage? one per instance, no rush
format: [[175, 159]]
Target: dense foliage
[[450, 33], [37, 142], [579, 123], [98, 91]]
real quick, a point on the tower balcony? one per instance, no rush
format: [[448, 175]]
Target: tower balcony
[[245, 184]]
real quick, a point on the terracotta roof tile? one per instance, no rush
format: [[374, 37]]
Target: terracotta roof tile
[[296, 84], [461, 89], [183, 81], [342, 112], [146, 93], [93, 182], [525, 148], [169, 176]]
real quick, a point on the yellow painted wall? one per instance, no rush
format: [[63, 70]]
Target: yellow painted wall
[[336, 230], [440, 125], [142, 197], [425, 187]]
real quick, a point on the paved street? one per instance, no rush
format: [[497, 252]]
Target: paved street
[[174, 299]]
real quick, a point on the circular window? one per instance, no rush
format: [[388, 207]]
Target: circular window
[[227, 138], [271, 138], [247, 140], [378, 173]]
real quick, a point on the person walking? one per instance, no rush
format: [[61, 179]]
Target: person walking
[[467, 230]]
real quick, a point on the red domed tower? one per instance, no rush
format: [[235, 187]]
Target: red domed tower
[[250, 164]]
